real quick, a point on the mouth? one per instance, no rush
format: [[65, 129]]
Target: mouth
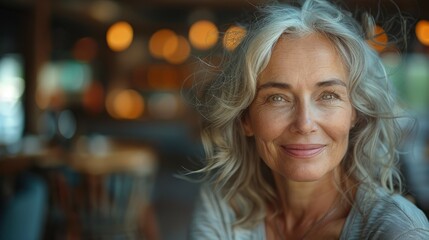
[[303, 150]]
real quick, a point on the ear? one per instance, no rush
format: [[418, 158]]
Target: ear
[[247, 126]]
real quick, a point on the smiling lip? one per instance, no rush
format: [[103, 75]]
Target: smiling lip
[[303, 150]]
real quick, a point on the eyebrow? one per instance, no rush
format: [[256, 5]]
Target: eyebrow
[[331, 82], [281, 85]]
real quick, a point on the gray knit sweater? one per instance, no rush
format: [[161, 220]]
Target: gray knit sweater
[[389, 217]]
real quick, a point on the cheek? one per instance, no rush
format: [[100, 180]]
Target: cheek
[[341, 118], [337, 125], [267, 152], [338, 130], [268, 125]]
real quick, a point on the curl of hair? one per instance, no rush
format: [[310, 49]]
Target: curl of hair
[[232, 162]]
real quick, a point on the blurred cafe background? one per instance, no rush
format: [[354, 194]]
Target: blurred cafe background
[[94, 125]]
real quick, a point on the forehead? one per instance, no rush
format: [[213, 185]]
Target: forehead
[[310, 58]]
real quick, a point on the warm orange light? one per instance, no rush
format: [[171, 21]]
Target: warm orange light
[[163, 42], [85, 49], [203, 34], [119, 36], [181, 53], [379, 39], [125, 104], [171, 45], [422, 32], [233, 37]]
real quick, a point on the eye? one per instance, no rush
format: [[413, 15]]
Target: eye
[[276, 99], [329, 96]]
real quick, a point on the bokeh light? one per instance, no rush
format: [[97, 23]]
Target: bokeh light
[[58, 80], [73, 75], [233, 37], [422, 32], [67, 124], [379, 39], [48, 90], [125, 104], [180, 53], [119, 36], [158, 46], [170, 46], [203, 34], [11, 82], [11, 108]]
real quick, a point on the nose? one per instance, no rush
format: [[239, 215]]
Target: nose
[[304, 119]]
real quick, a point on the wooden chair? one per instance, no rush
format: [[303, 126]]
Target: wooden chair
[[106, 195]]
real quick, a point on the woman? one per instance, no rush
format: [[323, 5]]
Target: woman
[[300, 135]]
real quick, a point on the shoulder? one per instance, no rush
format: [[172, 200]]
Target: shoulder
[[210, 209], [387, 216], [395, 209], [213, 218], [214, 204]]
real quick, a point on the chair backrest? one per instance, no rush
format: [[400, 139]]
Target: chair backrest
[[105, 196]]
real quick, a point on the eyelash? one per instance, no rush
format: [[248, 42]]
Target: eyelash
[[333, 96], [325, 96], [276, 98]]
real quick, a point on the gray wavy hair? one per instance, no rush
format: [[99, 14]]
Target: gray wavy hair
[[232, 162]]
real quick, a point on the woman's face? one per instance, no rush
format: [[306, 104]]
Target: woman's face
[[301, 115]]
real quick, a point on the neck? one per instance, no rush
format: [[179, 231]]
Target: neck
[[306, 204]]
